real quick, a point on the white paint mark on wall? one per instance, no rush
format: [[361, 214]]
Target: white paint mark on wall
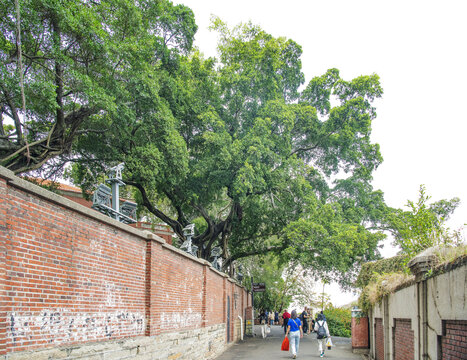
[[112, 295], [174, 320], [59, 326]]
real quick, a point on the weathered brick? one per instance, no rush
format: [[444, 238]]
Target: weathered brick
[[379, 339], [75, 279], [403, 345]]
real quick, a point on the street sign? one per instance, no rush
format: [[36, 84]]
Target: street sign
[[259, 287]]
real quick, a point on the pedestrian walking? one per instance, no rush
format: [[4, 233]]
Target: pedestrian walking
[[285, 317], [294, 328], [271, 318], [322, 332], [263, 319], [304, 318]]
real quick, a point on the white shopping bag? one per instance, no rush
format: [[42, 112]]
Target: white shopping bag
[[329, 343]]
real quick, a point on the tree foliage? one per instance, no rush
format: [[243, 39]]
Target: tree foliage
[[339, 321], [80, 59], [423, 225], [280, 286], [285, 283], [230, 144]]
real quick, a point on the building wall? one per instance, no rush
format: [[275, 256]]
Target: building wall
[[403, 343], [453, 342], [73, 278], [379, 339], [433, 312]]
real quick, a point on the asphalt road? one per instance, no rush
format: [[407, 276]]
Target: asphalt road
[[270, 348]]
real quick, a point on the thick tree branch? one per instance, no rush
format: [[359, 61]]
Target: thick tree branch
[[15, 116], [181, 216], [242, 254], [175, 225]]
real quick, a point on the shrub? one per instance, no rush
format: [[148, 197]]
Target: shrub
[[371, 270], [338, 321], [380, 286]]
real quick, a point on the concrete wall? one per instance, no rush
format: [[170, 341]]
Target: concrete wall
[[75, 283], [432, 312]]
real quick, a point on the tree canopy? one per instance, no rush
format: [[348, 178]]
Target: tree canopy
[[77, 58], [231, 144], [423, 225]]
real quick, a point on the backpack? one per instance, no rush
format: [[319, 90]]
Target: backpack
[[321, 330]]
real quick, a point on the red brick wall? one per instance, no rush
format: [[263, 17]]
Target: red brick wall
[[3, 269], [214, 307], [454, 340], [403, 339], [360, 333], [379, 339], [69, 276]]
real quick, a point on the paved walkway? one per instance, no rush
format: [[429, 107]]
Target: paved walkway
[[269, 348]]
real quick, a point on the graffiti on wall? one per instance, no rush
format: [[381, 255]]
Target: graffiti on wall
[[178, 320], [61, 326]]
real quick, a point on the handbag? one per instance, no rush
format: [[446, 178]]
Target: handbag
[[268, 330], [329, 343], [285, 344]]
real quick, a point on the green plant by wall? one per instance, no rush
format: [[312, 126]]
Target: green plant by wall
[[371, 270], [339, 321], [383, 277], [423, 226]]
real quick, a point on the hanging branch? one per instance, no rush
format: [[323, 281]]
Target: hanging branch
[[21, 78]]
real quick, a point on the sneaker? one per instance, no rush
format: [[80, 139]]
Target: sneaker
[[294, 357], [322, 354]]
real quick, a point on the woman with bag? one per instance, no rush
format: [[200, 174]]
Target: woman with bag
[[294, 327], [322, 332]]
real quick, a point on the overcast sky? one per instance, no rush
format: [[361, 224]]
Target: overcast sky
[[418, 48]]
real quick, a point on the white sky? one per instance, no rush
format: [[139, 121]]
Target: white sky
[[418, 48]]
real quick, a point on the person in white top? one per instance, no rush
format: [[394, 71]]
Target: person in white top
[[322, 332]]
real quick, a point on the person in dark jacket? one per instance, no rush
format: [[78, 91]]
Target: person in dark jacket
[[285, 317]]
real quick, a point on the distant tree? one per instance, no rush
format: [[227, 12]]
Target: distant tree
[[280, 286], [284, 283], [423, 225]]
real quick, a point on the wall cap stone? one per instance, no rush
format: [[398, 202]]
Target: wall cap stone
[[152, 236], [423, 262], [184, 253]]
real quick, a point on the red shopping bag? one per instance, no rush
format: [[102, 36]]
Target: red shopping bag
[[285, 344]]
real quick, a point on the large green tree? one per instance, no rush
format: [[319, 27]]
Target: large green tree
[[232, 145], [75, 61]]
